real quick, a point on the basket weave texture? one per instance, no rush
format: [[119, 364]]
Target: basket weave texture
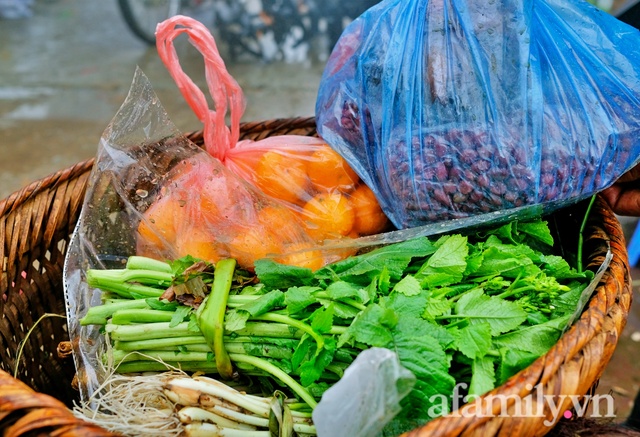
[[36, 224]]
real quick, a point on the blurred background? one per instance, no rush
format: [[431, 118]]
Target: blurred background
[[66, 67]]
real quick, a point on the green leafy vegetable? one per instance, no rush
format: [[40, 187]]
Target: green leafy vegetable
[[447, 264], [298, 298], [474, 341], [483, 377], [392, 259], [180, 315], [409, 286], [473, 308], [501, 315]]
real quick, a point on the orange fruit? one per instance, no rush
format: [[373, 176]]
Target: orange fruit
[[281, 221], [282, 176], [328, 215], [369, 217], [158, 226], [252, 244], [223, 197], [328, 171], [209, 202], [296, 255], [200, 244]]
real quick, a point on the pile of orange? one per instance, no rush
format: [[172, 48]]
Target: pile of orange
[[323, 190], [319, 197]]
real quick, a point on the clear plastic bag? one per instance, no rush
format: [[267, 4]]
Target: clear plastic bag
[[131, 163], [450, 109]]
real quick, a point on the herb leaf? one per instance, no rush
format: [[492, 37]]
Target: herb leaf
[[344, 290], [264, 304], [181, 313], [372, 327], [512, 361], [537, 339], [322, 319], [235, 320], [483, 377], [298, 298], [363, 268], [280, 276], [436, 307], [474, 340], [409, 286], [425, 358], [507, 260], [501, 315], [311, 370], [162, 305], [447, 264]]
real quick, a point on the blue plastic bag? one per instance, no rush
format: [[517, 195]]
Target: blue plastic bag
[[457, 108]]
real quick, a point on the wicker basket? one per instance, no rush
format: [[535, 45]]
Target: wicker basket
[[35, 227]]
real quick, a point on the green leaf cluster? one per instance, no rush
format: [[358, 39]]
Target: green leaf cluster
[[472, 309]]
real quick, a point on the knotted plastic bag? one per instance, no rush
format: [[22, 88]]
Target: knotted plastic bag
[[313, 195], [456, 109]]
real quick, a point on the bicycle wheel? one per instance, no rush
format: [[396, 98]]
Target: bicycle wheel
[[142, 16]]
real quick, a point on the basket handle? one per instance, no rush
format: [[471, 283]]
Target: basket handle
[[223, 88]]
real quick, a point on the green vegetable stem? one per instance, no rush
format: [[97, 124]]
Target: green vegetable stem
[[210, 315], [458, 309]]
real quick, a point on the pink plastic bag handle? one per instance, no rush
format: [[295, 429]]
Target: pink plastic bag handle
[[224, 90]]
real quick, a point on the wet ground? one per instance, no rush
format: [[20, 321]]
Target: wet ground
[[65, 71]]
